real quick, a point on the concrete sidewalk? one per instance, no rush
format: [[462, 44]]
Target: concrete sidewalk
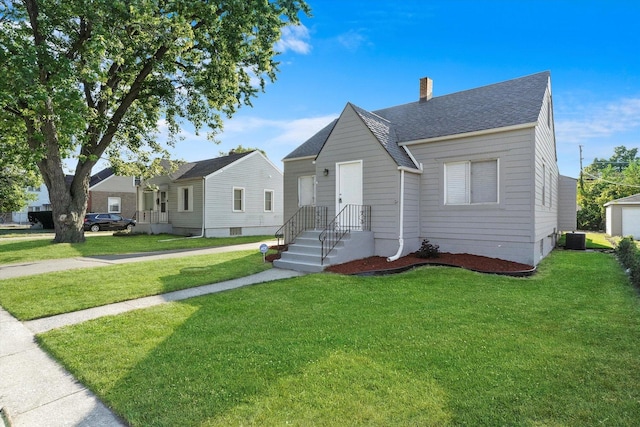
[[36, 391]]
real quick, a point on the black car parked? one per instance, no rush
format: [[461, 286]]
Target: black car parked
[[107, 221]]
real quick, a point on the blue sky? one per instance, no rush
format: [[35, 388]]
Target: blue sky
[[373, 53]]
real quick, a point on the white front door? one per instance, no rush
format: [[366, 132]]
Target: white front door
[[349, 191], [164, 211]]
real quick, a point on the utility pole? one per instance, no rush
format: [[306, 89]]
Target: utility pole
[[581, 179]]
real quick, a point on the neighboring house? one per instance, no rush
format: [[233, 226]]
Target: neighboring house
[[238, 194], [568, 203], [107, 193], [623, 216], [41, 203], [112, 193], [473, 172]]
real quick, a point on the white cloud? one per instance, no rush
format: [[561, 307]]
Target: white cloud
[[282, 132], [294, 38], [352, 40], [598, 121]]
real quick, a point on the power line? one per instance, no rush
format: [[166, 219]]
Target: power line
[[610, 182]]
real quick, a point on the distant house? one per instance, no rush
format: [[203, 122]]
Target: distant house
[[238, 194], [41, 203], [623, 217], [112, 193], [107, 193], [473, 172]]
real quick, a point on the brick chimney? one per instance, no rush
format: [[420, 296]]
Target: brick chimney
[[426, 89]]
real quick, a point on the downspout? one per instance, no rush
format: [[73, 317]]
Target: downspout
[[401, 237]]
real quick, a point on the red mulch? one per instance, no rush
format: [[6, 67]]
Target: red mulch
[[468, 261]]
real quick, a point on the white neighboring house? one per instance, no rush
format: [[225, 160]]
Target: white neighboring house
[[42, 203], [238, 194], [623, 217]]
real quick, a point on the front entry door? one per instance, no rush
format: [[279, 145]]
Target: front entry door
[[164, 212], [349, 192]]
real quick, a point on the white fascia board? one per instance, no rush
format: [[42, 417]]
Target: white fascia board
[[469, 134]]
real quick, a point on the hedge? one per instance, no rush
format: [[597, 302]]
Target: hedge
[[629, 256]]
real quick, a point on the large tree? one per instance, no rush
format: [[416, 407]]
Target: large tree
[[90, 79]]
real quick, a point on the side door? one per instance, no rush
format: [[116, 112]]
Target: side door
[[349, 193]]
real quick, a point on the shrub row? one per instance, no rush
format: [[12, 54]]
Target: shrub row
[[629, 256]]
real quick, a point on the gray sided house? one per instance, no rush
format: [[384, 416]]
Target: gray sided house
[[473, 172], [623, 217], [112, 193], [238, 194]]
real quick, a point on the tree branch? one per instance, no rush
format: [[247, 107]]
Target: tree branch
[[84, 34], [128, 99], [38, 37]]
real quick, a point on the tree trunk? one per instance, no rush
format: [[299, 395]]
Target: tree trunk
[[68, 214], [68, 201]]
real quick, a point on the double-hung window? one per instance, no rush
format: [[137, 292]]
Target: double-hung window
[[471, 182], [113, 204], [238, 199], [185, 199], [268, 200]]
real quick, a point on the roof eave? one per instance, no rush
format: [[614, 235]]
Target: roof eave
[[470, 134], [312, 157]]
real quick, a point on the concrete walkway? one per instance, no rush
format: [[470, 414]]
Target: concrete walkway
[[35, 390]]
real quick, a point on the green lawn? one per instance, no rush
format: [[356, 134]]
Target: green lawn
[[433, 346], [593, 240], [27, 250], [37, 296]]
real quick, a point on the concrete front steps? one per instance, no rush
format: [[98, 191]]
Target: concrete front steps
[[304, 253]]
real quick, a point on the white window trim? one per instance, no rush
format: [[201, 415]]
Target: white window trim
[[181, 208], [468, 182], [119, 204], [233, 199], [264, 201]]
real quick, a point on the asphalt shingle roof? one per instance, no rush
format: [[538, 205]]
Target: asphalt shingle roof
[[204, 168], [385, 132], [100, 176], [508, 103], [635, 198]]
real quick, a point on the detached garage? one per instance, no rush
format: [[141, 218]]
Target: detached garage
[[623, 217]]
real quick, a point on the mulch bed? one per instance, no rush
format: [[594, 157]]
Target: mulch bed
[[379, 265]]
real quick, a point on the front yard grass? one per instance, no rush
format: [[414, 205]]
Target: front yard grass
[[433, 346], [48, 294], [28, 250]]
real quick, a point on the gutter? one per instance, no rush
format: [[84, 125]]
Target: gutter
[[400, 238]]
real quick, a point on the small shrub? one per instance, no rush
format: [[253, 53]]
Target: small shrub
[[629, 257], [427, 250]]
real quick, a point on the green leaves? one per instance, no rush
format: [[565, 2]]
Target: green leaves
[[87, 78], [606, 180]]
